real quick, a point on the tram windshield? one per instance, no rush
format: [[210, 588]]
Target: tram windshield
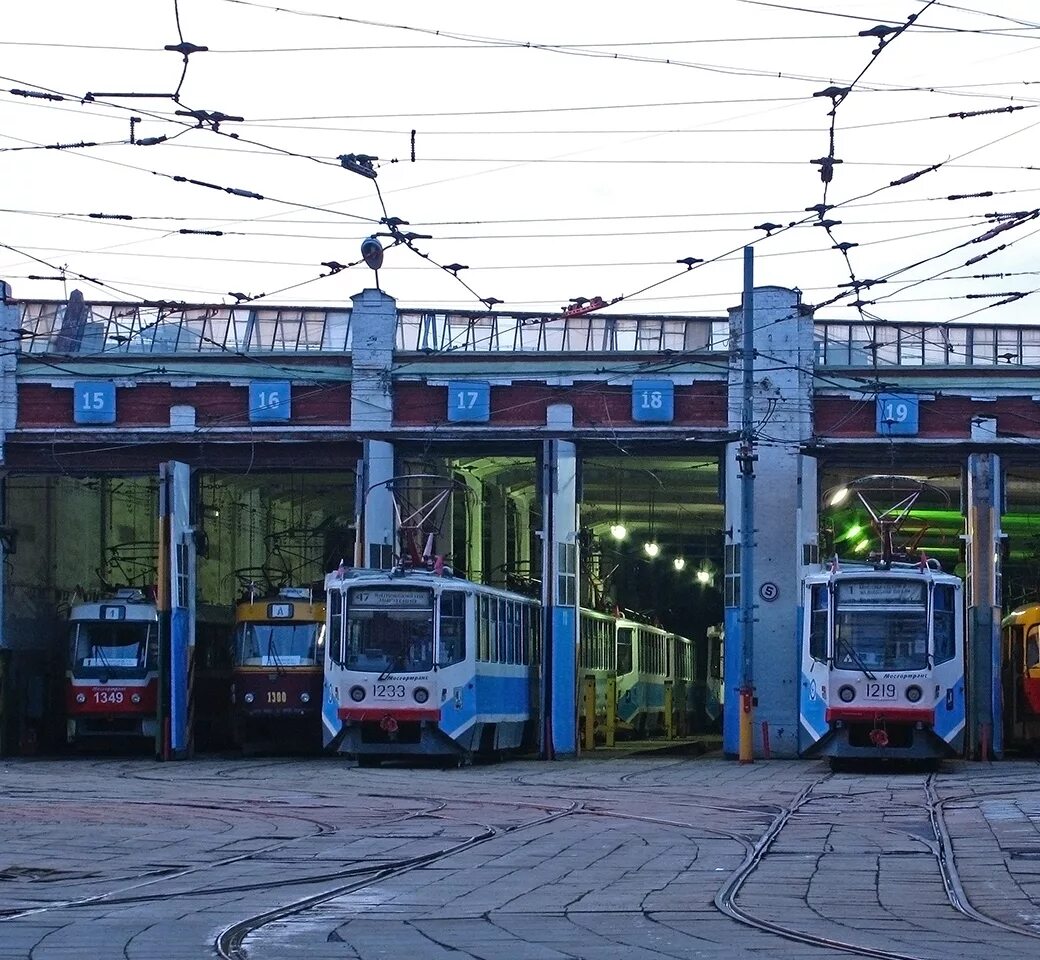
[[389, 630], [281, 644], [881, 626], [110, 646]]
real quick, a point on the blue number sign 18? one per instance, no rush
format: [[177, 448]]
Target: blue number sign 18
[[653, 400]]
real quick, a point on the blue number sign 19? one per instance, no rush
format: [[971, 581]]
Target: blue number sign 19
[[269, 400], [896, 415]]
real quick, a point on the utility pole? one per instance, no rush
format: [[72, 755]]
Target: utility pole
[[746, 459]]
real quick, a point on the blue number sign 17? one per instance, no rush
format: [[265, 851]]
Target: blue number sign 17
[[469, 401]]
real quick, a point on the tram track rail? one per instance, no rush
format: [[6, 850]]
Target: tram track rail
[[941, 848], [230, 942], [154, 877]]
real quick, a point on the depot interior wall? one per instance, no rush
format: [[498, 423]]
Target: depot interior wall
[[275, 530], [73, 535]]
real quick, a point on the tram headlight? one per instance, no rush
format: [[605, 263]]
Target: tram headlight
[[913, 693], [357, 693], [421, 694], [305, 697], [249, 698], [81, 698], [135, 698], [847, 693]]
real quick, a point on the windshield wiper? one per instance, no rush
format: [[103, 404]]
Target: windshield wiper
[[272, 654], [855, 657], [395, 665]]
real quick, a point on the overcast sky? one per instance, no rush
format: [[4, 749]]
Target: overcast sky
[[634, 136]]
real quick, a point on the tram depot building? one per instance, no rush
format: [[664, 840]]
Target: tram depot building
[[597, 462]]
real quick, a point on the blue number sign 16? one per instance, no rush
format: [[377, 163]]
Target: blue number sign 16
[[269, 400]]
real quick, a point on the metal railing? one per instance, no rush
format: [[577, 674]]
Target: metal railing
[[104, 328], [918, 345], [494, 332], [76, 327]]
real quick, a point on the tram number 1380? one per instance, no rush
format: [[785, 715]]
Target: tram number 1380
[[881, 691], [393, 691]]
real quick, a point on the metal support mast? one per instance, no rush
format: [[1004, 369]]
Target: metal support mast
[[746, 459]]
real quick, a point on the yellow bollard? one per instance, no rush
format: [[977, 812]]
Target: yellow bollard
[[588, 706], [611, 718], [669, 711], [747, 742]]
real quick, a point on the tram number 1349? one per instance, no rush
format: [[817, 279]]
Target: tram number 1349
[[392, 691], [108, 696], [881, 691]]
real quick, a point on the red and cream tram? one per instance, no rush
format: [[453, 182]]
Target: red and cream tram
[[112, 677]]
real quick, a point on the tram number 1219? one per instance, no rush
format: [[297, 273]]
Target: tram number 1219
[[880, 691]]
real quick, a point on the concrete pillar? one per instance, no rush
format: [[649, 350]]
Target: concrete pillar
[[560, 565], [785, 527], [982, 589], [521, 555], [495, 506], [474, 527], [10, 320], [373, 331]]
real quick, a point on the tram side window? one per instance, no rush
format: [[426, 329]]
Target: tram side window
[[482, 628], [624, 650], [943, 623], [1033, 647], [335, 639], [453, 628], [493, 637], [818, 622]]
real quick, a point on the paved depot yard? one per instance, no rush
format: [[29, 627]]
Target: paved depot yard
[[631, 859]]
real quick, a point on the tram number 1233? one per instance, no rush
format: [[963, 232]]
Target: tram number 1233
[[393, 691]]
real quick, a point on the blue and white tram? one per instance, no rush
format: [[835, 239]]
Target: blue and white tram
[[883, 662], [642, 668], [418, 663]]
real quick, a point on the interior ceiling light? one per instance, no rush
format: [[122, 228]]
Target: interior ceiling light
[[651, 548], [703, 576], [679, 563], [839, 496], [618, 531]]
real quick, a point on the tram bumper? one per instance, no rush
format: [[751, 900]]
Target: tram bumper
[[871, 734], [395, 731]]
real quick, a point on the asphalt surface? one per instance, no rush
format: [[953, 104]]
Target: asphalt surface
[[630, 858]]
